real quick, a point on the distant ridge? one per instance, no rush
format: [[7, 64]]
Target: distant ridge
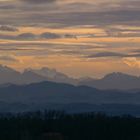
[[51, 95], [53, 75], [33, 95], [9, 75], [116, 80]]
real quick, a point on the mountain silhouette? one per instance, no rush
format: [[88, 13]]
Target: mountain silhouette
[[64, 93], [116, 80], [53, 75], [9, 75], [51, 95]]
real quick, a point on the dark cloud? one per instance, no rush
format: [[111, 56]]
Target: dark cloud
[[112, 54], [57, 18], [119, 32], [16, 49], [31, 36], [8, 28], [69, 52], [62, 19], [38, 1], [70, 36], [126, 12], [9, 37], [49, 35], [106, 54], [26, 36]]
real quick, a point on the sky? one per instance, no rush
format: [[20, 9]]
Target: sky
[[77, 37]]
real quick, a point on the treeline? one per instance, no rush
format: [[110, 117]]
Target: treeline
[[55, 125]]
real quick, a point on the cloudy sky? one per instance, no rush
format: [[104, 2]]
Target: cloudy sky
[[77, 37]]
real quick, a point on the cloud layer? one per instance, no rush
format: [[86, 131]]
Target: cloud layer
[[77, 37]]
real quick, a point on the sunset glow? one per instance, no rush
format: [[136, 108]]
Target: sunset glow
[[75, 37]]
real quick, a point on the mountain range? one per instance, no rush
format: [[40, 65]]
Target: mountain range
[[52, 92], [119, 81], [11, 76], [45, 88], [60, 96], [114, 80]]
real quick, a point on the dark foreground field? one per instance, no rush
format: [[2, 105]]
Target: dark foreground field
[[53, 125]]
